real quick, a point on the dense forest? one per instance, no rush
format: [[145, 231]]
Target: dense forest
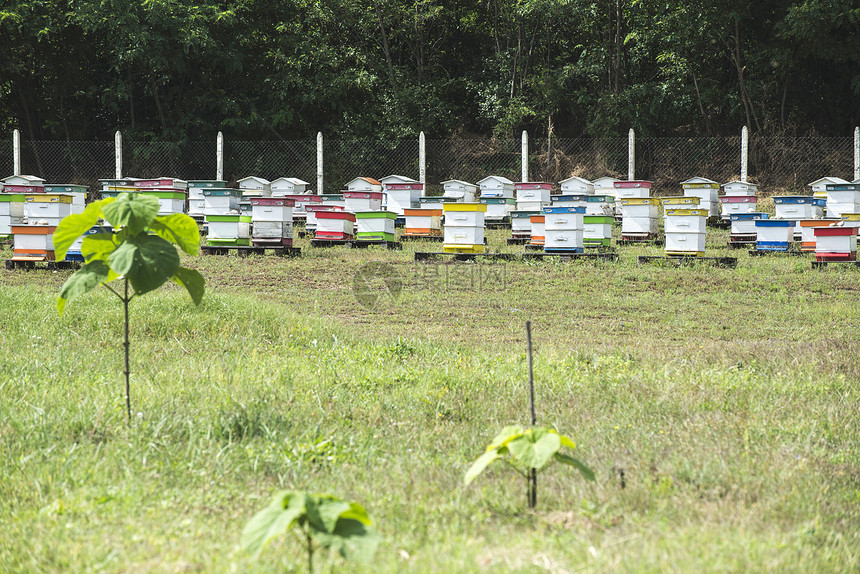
[[284, 69]]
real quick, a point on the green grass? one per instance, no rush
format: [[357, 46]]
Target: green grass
[[726, 399]]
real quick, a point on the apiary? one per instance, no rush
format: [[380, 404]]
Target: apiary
[[356, 201], [288, 186], [375, 225], [632, 189], [835, 243], [842, 198], [599, 205], [496, 186], [564, 229], [576, 185], [539, 229], [78, 193], [11, 212], [640, 216], [464, 227], [743, 225], [730, 204], [423, 222], [220, 200], [498, 208], [337, 225], [33, 241], [740, 188], [521, 223], [798, 207], [774, 234], [253, 185], [400, 196], [169, 200], [228, 230], [48, 207], [459, 190], [807, 231]]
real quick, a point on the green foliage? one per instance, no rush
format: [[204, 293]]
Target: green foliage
[[526, 450], [140, 248], [323, 520]]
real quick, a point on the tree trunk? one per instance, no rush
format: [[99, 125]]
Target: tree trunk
[[385, 49]]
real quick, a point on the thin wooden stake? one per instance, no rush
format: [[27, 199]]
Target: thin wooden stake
[[532, 482]]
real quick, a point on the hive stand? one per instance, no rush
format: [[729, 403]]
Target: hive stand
[[826, 264], [435, 238], [561, 256], [793, 250], [429, 256], [678, 260], [245, 250], [28, 263], [354, 243]]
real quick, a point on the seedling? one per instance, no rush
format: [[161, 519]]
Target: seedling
[[139, 251], [320, 520]]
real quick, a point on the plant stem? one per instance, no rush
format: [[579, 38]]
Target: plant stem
[[310, 553], [125, 302], [531, 477]]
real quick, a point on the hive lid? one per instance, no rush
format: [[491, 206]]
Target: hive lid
[[375, 215], [574, 210], [464, 207]]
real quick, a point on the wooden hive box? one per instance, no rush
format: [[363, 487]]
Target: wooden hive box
[[400, 196], [375, 225], [460, 190], [576, 185], [464, 227], [835, 243], [563, 229], [221, 200], [597, 230], [288, 186], [498, 208], [521, 224], [640, 215], [356, 201], [774, 234], [335, 225], [807, 231], [730, 204], [253, 185], [161, 182], [740, 188], [228, 230], [538, 230], [798, 207], [423, 222], [169, 200], [33, 241], [743, 224], [496, 186]]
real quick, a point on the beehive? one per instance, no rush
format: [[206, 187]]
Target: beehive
[[196, 186], [400, 196], [33, 241], [842, 198], [632, 189], [521, 223], [50, 208], [228, 230], [708, 192], [288, 186], [162, 182], [835, 243], [423, 222], [807, 231], [774, 234], [312, 209], [253, 185], [679, 202], [576, 185], [333, 199], [599, 205], [606, 186], [375, 225], [640, 216], [498, 208], [797, 207], [78, 193], [684, 230], [437, 202], [532, 195], [221, 200], [740, 188], [11, 212], [569, 200], [169, 200], [302, 201], [464, 227], [365, 184], [460, 190], [564, 229], [336, 225], [111, 184], [743, 225], [597, 230], [23, 180], [731, 204], [819, 186], [356, 201], [496, 186]]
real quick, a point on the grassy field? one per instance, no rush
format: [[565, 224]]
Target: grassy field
[[718, 408]]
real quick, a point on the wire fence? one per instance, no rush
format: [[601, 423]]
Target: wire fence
[[778, 164]]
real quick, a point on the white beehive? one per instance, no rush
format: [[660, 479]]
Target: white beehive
[[538, 229], [356, 201], [220, 200], [632, 189], [310, 211], [228, 229], [597, 230], [774, 234], [842, 198], [807, 231], [835, 243], [569, 201], [367, 184], [464, 227], [600, 205], [740, 188], [336, 225], [161, 182], [730, 204], [34, 240], [196, 187], [496, 186], [394, 178], [50, 208], [640, 216], [798, 207], [11, 212], [521, 224], [24, 180], [423, 222], [288, 186], [684, 231], [375, 225], [498, 208], [743, 224], [564, 229], [169, 200], [78, 193], [461, 190], [402, 195], [819, 186], [576, 185], [532, 195], [253, 185]]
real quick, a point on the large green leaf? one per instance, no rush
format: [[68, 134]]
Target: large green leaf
[[272, 521], [147, 260], [586, 472], [84, 280], [180, 229], [98, 246], [479, 465], [193, 282], [73, 226], [535, 447], [324, 511], [506, 435], [132, 211], [566, 441], [351, 539]]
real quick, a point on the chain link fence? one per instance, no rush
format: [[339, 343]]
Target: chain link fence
[[778, 164]]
